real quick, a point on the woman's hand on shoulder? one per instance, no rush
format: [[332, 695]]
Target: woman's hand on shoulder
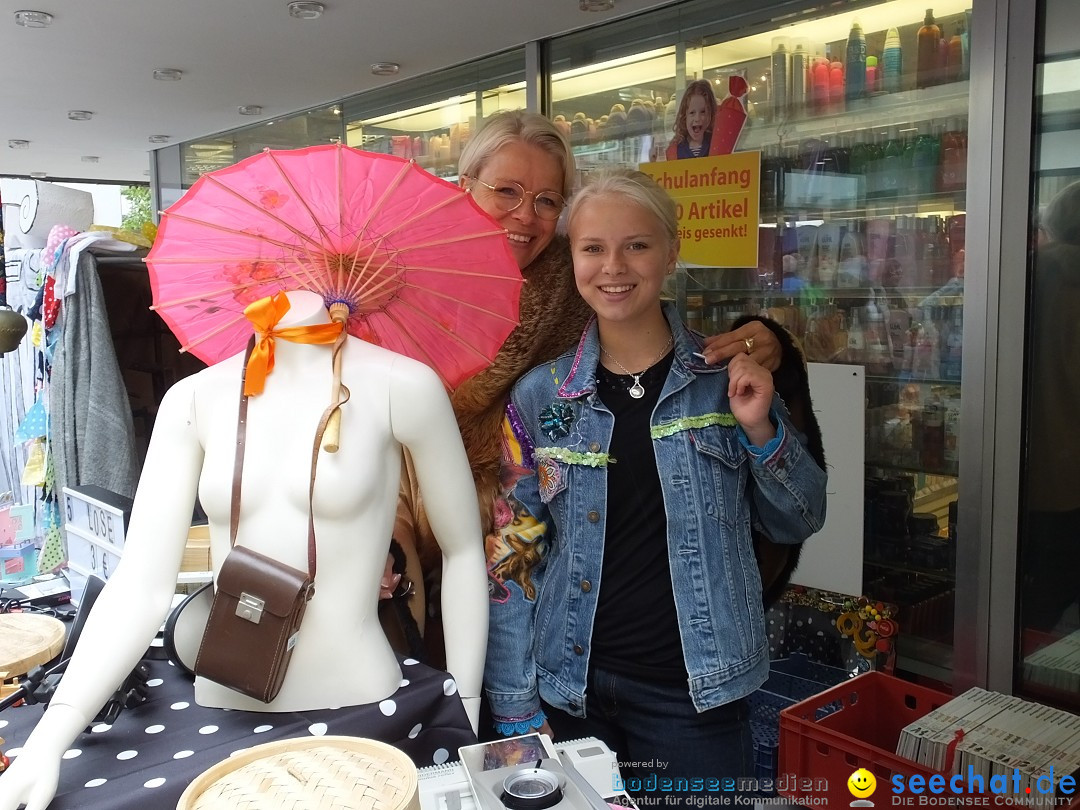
[[750, 391], [764, 347]]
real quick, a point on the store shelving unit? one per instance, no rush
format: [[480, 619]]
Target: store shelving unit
[[863, 263]]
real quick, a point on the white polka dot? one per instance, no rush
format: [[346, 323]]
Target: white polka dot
[[415, 731], [100, 728], [809, 619], [155, 782], [410, 662], [3, 723], [93, 783], [404, 682], [238, 751], [155, 682], [317, 729], [183, 704], [388, 707], [71, 753], [208, 729], [261, 729], [449, 687], [440, 756], [182, 754], [13, 752], [129, 754], [155, 729]]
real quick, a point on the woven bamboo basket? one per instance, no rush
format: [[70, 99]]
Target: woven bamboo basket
[[309, 773]]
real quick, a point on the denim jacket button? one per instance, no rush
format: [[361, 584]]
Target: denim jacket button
[[586, 586], [594, 447], [579, 650], [593, 516]]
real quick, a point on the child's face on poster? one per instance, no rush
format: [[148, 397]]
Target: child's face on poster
[[697, 118]]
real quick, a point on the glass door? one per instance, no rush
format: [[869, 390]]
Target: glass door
[[1048, 661], [860, 120]]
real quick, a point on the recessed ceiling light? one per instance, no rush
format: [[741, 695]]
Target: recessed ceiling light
[[39, 175], [385, 68], [168, 74], [596, 5], [249, 109], [90, 158], [158, 139], [18, 143], [80, 115], [303, 10], [33, 19]]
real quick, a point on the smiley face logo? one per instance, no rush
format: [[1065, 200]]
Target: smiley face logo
[[862, 784]]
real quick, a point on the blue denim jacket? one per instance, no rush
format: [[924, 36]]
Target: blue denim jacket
[[715, 486]]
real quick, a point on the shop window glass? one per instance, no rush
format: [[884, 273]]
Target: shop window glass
[[860, 232], [309, 128], [431, 120], [1048, 662]]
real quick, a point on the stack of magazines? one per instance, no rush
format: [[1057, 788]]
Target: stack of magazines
[[996, 735], [1057, 665]]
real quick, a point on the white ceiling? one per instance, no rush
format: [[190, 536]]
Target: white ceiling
[[99, 55]]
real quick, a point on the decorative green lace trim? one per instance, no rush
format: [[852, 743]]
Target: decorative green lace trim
[[691, 422], [573, 457]]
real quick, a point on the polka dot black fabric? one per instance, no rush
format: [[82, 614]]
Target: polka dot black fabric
[[153, 751]]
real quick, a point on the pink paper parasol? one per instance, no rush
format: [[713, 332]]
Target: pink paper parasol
[[421, 268]]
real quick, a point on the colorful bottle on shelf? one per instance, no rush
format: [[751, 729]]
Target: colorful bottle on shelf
[[836, 86], [856, 339], [800, 74], [780, 64], [892, 62], [855, 79], [933, 448], [953, 157], [852, 270], [871, 75], [929, 38], [891, 176], [954, 64], [860, 157], [924, 161], [819, 87]]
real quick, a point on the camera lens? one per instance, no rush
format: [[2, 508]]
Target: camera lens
[[531, 789]]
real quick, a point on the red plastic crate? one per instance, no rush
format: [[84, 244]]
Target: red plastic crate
[[863, 733]]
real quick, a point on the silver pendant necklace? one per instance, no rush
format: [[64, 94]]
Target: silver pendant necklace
[[637, 390]]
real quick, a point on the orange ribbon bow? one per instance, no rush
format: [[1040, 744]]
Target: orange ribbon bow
[[264, 314]]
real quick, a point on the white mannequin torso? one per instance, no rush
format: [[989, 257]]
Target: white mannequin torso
[[341, 656]]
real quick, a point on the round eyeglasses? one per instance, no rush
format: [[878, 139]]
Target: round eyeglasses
[[508, 195]]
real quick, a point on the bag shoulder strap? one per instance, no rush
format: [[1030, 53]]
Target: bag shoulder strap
[[238, 467]]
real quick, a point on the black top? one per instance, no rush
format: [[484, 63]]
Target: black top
[[636, 630]]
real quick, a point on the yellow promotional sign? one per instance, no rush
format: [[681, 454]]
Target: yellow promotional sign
[[717, 199]]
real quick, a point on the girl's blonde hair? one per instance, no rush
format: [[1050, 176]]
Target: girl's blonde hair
[[636, 186]]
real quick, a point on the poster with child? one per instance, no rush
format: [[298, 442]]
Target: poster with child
[[704, 127]]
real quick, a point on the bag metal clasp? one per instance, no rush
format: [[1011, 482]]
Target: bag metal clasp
[[250, 608]]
